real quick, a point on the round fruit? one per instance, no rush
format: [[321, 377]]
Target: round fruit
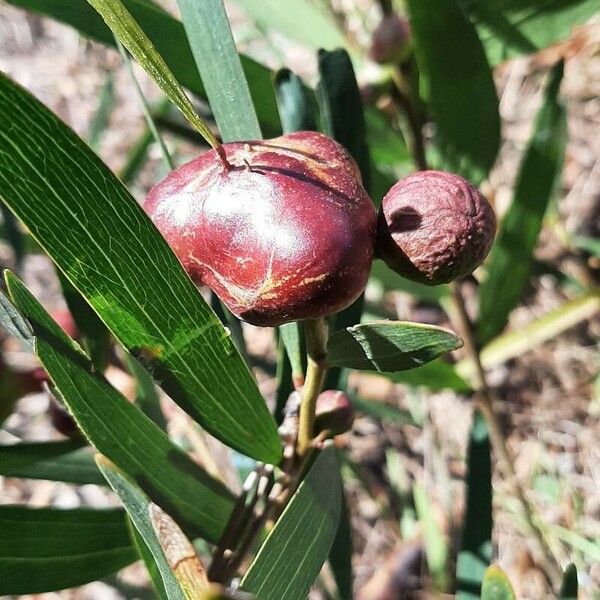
[[434, 227], [284, 232], [334, 412], [391, 41]]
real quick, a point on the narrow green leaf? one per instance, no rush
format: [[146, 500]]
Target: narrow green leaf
[[146, 395], [138, 153], [106, 104], [292, 335], [131, 35], [151, 523], [292, 555], [47, 549], [390, 345], [219, 65], [475, 552], [340, 104], [511, 257], [512, 344], [13, 323], [119, 262], [150, 123], [569, 589], [459, 86], [70, 461], [436, 545], [496, 585], [514, 27], [121, 432], [340, 555], [283, 376], [149, 562], [300, 20], [294, 102], [94, 333]]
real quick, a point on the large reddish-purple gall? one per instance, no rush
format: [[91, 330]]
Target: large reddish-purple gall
[[284, 232]]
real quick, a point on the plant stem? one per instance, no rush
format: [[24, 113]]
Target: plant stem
[[145, 108], [315, 332], [483, 401], [402, 97]]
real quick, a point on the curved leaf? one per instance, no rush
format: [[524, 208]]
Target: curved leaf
[[389, 345], [294, 102], [47, 549], [116, 258]]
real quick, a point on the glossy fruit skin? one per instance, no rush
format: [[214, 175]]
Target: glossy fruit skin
[[287, 233], [391, 41], [334, 412], [434, 227]]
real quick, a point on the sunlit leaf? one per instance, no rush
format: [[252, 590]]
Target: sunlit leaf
[[122, 432], [219, 65]]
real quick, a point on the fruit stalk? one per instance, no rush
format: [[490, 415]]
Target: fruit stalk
[[315, 332], [483, 401]]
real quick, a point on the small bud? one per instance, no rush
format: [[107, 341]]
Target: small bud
[[434, 227], [61, 420], [334, 412], [391, 41]]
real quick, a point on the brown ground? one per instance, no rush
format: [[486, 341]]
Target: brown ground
[[546, 398]]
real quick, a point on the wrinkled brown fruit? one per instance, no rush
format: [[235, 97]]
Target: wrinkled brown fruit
[[286, 233], [434, 227], [334, 412]]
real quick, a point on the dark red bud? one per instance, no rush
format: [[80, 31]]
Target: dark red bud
[[334, 412], [286, 233], [391, 41], [61, 420], [434, 227]]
